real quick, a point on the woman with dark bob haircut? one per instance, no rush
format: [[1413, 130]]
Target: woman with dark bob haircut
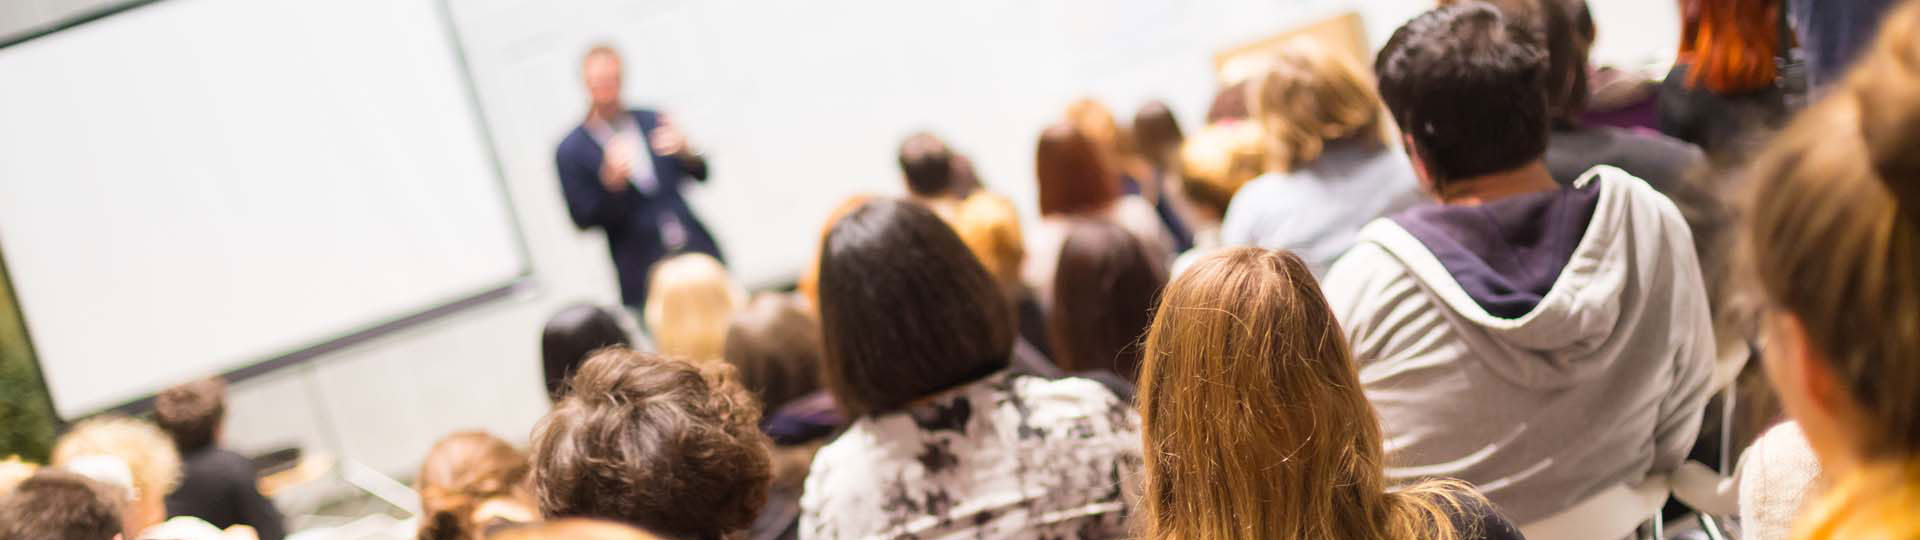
[[945, 441]]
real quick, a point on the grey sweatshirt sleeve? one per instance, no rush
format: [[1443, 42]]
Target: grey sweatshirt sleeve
[[1681, 409]]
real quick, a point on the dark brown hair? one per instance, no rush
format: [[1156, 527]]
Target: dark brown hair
[[654, 442], [1103, 299], [927, 164], [191, 413], [1229, 104], [59, 505], [461, 472], [1565, 28], [1073, 176], [1464, 83], [775, 345], [905, 309], [1157, 133], [570, 336]]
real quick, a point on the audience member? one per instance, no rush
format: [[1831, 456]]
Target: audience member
[[1229, 104], [1137, 177], [573, 529], [470, 483], [1833, 237], [990, 226], [219, 485], [809, 283], [1214, 165], [1330, 170], [1721, 93], [1157, 135], [945, 441], [1495, 330], [691, 300], [774, 345], [929, 169], [570, 337], [1103, 299], [146, 455], [59, 505], [1775, 478], [655, 442], [1256, 426], [1075, 183], [1833, 33]]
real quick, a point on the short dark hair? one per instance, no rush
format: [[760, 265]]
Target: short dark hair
[[775, 344], [191, 413], [928, 165], [1157, 133], [1104, 294], [59, 505], [1229, 104], [654, 442], [572, 334], [1464, 82], [1565, 27], [906, 310]]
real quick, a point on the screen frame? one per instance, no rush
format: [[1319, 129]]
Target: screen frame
[[522, 282]]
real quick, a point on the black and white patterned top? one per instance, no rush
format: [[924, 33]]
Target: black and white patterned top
[[1009, 456]]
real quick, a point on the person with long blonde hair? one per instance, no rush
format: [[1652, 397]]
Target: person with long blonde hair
[[1833, 237], [1256, 426], [1329, 168], [692, 297]]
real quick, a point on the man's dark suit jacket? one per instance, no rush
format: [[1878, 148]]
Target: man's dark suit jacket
[[631, 219], [221, 488]]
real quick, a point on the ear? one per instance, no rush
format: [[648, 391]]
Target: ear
[[1427, 183]]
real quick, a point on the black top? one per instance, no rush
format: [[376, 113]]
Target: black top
[[1477, 520], [221, 487]]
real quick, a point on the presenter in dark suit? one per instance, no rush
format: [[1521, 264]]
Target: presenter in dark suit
[[621, 171]]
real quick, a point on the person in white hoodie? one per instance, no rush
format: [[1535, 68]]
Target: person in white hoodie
[[1549, 344]]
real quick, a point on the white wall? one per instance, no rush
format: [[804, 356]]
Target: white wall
[[753, 80]]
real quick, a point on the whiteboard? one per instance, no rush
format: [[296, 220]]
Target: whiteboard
[[195, 186]]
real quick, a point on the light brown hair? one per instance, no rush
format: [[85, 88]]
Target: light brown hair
[[774, 344], [689, 300], [1310, 97], [1833, 236], [573, 529], [1216, 162], [1254, 420], [655, 442], [990, 226], [192, 412], [461, 472]]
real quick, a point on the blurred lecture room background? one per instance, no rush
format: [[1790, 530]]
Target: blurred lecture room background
[[350, 209]]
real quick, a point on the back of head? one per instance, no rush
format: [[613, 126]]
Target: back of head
[[1309, 97], [1103, 299], [990, 226], [462, 472], [654, 442], [927, 164], [58, 505], [191, 413], [1095, 120], [573, 529], [1229, 104], [147, 452], [1217, 161], [1565, 28], [774, 344], [905, 309], [1248, 395], [1834, 238], [1834, 232], [1463, 82], [689, 300], [1157, 133], [572, 334], [1730, 44], [1073, 176]]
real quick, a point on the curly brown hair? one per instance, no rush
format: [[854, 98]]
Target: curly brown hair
[[655, 442], [461, 472]]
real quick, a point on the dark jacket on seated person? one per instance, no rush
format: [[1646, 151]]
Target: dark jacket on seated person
[[222, 488]]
